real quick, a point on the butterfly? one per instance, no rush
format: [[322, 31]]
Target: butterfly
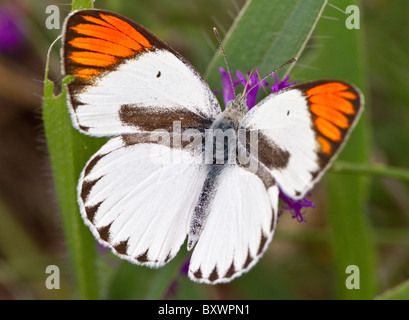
[[166, 172]]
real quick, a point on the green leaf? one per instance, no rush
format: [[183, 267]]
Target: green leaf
[[375, 170], [400, 292], [68, 151], [82, 4], [340, 54], [266, 34]]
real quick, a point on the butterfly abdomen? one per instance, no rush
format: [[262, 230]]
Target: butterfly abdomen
[[202, 208]]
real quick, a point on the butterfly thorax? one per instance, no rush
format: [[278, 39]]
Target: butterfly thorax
[[232, 116]]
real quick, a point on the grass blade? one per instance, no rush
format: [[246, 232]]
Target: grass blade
[[266, 34], [68, 151]]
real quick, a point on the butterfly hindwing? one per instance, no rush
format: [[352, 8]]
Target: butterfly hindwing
[[240, 225], [137, 197], [127, 80], [302, 129]]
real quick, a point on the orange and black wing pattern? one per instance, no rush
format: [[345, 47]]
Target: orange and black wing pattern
[[97, 41], [334, 106]]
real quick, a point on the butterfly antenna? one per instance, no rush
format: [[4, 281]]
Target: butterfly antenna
[[248, 80], [216, 32], [280, 67], [288, 62]]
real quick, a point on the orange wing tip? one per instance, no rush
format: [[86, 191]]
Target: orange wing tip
[[328, 129], [108, 34], [101, 46], [327, 88], [347, 95], [92, 58], [325, 145], [116, 24], [330, 114], [127, 29], [97, 21], [86, 73], [333, 101]]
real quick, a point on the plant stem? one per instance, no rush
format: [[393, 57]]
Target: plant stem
[[378, 170]]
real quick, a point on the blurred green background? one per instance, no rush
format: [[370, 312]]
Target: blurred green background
[[300, 261]]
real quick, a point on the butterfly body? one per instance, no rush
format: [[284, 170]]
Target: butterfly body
[[224, 136], [235, 110], [176, 166]]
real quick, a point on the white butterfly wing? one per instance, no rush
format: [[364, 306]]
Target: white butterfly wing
[[240, 225], [127, 80], [302, 129], [137, 197]]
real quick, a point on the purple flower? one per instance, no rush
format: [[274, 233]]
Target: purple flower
[[252, 85], [228, 90], [296, 205], [11, 33], [278, 85]]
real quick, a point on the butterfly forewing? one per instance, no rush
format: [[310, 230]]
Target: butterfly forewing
[[127, 80], [302, 129]]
